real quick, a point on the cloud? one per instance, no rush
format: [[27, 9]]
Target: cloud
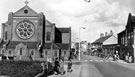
[[98, 16]]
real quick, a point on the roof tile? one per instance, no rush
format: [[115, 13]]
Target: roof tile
[[101, 40]]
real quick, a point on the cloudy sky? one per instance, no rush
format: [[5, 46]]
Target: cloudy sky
[[97, 16]]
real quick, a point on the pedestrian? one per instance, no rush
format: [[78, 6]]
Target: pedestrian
[[62, 71], [70, 66], [127, 57], [56, 67]]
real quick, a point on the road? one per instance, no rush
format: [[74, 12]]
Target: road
[[91, 66]]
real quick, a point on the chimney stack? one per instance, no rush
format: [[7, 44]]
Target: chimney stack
[[101, 35], [111, 32]]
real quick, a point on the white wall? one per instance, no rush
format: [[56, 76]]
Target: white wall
[[111, 40]]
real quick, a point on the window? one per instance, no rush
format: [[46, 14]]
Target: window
[[6, 35], [25, 29], [20, 51], [48, 36]]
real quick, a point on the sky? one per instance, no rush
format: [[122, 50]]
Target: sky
[[97, 16]]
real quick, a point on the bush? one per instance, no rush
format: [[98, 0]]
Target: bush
[[21, 68]]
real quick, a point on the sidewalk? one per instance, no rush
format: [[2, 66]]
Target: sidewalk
[[75, 73], [125, 64]]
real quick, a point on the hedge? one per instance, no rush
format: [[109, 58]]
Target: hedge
[[22, 68]]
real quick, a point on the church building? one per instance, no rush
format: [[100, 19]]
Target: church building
[[28, 35]]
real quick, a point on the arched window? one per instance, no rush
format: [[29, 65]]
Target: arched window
[[48, 36], [6, 34], [20, 51]]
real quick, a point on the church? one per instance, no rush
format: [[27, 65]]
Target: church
[[28, 35]]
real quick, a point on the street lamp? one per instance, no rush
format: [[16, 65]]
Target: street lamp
[[79, 42]]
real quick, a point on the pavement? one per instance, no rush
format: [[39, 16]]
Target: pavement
[[93, 66], [75, 73]]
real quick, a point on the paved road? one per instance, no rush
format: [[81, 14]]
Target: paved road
[[91, 66]]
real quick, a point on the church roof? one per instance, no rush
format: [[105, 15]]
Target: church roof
[[31, 45], [48, 22], [25, 11], [64, 30], [102, 39]]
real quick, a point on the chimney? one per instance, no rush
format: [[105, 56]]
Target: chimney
[[106, 34], [111, 32], [101, 35]]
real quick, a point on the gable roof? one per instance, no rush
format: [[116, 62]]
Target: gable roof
[[102, 39], [132, 18], [30, 12], [64, 30]]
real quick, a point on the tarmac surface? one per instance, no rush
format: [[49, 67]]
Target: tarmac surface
[[92, 66]]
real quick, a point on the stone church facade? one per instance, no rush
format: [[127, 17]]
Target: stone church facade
[[28, 35]]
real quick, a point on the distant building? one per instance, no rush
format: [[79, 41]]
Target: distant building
[[107, 44], [126, 39], [29, 35]]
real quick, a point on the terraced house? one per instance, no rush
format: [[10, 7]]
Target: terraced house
[[28, 35], [106, 44]]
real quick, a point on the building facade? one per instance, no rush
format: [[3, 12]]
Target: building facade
[[126, 39], [28, 35], [105, 45]]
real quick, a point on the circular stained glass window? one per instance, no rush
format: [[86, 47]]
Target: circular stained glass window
[[25, 29]]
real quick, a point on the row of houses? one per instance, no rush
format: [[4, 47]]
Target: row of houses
[[124, 43], [105, 44]]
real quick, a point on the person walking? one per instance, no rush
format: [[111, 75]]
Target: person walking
[[56, 67], [70, 66], [62, 71]]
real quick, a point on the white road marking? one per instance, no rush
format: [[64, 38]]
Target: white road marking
[[90, 60], [101, 60], [86, 60], [96, 60]]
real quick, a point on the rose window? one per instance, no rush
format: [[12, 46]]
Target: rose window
[[25, 29]]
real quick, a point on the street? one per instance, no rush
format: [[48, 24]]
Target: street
[[92, 66]]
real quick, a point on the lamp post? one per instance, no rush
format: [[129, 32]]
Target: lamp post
[[79, 42]]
